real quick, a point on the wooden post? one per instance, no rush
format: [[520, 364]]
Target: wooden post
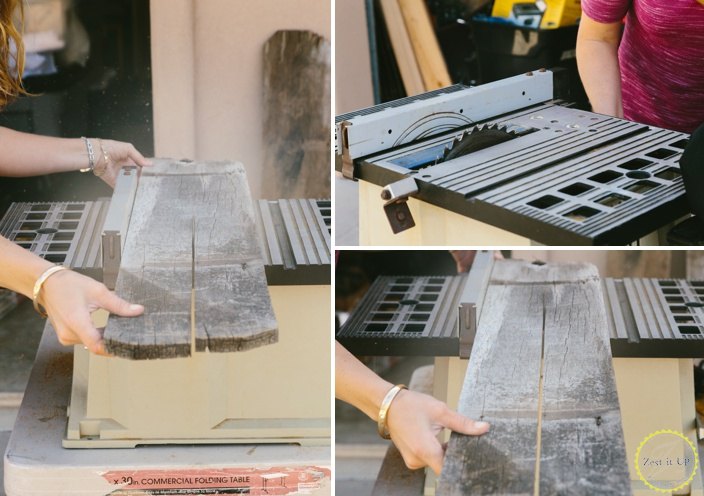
[[540, 373], [425, 44], [296, 116], [403, 50]]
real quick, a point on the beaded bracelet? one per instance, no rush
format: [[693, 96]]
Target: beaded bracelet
[[91, 155]]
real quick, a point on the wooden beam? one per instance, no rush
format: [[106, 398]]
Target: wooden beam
[[425, 44], [192, 258], [296, 116], [540, 372], [403, 50]]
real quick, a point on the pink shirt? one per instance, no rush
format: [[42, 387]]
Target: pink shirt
[[661, 58]]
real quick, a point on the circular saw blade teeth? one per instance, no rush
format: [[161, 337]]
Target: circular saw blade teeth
[[475, 139]]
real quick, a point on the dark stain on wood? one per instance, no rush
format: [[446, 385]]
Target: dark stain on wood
[[540, 372], [296, 116], [192, 235]]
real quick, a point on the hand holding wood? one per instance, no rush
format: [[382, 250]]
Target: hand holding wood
[[414, 422], [69, 298], [113, 155]]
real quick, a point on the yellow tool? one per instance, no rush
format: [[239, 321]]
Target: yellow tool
[[556, 13]]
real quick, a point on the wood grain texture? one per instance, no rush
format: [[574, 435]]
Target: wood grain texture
[[296, 116], [395, 479], [425, 44], [402, 47], [192, 228], [547, 320]]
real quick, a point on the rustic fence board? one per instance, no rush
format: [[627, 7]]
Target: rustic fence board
[[561, 435], [403, 50], [296, 128], [425, 44], [192, 258]]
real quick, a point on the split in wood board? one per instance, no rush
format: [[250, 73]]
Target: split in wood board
[[540, 373], [192, 258]]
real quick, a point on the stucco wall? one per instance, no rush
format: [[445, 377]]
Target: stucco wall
[[207, 73], [353, 75]]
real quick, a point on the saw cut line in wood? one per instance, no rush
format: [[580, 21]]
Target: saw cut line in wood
[[540, 373], [192, 258]]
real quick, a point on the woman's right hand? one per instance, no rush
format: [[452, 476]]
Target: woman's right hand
[[69, 299]]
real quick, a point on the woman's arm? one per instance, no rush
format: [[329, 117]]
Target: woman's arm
[[414, 420], [68, 297], [597, 60], [26, 154]]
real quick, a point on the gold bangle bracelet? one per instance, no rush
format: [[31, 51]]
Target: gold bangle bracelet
[[384, 409], [38, 287], [106, 160]]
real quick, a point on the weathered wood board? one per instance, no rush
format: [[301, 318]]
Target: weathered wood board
[[395, 479], [425, 44], [192, 258], [296, 131], [540, 373], [403, 50]]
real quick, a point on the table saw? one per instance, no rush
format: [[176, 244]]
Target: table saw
[[507, 163], [217, 416], [655, 327]]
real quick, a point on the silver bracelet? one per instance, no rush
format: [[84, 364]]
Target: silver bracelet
[[91, 155]]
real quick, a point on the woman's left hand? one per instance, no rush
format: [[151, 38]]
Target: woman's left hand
[[118, 154]]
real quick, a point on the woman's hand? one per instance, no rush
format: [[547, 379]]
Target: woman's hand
[[69, 298], [464, 259], [414, 422], [118, 154]]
